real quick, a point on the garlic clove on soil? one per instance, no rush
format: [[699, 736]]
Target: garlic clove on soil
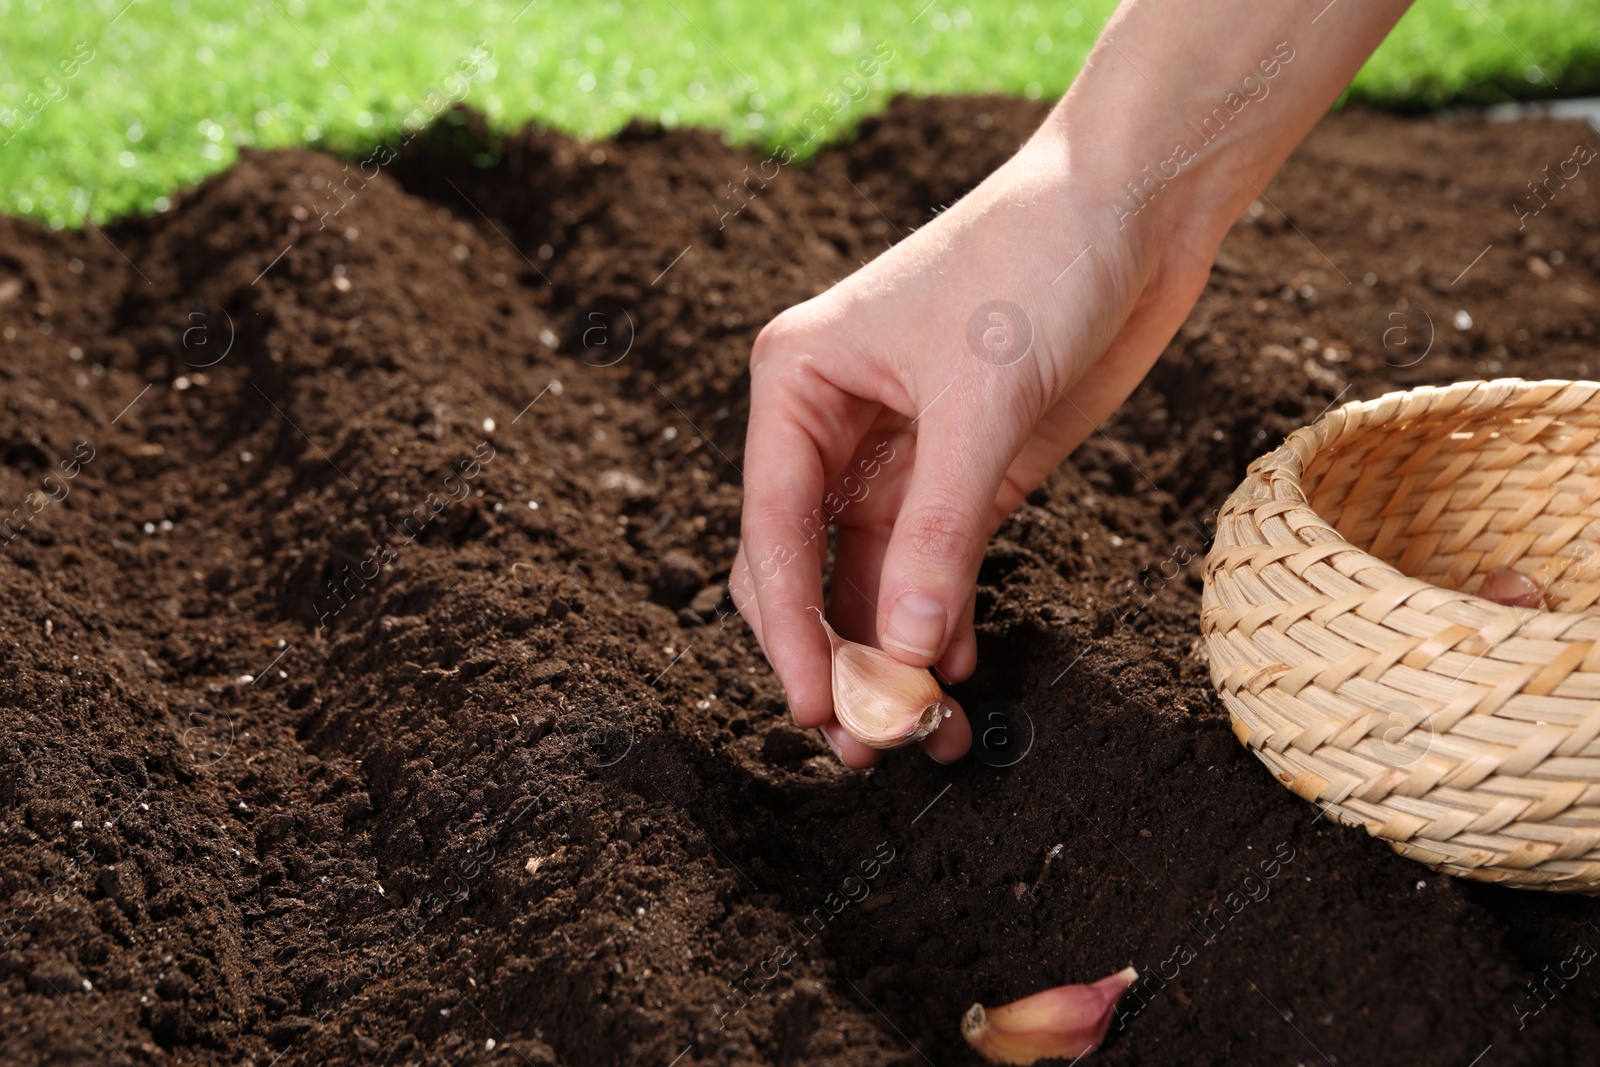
[[1510, 587], [880, 701], [1065, 1022]]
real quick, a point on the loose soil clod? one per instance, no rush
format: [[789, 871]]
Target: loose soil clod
[[330, 861]]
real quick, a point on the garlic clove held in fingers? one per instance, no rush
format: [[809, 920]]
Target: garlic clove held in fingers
[[1061, 1023], [880, 701]]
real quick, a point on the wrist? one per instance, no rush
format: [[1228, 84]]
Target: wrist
[[1146, 182], [1191, 154]]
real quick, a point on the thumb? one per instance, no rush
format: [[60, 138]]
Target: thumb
[[939, 538]]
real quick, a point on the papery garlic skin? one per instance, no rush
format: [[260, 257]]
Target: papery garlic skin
[[1065, 1022], [880, 701], [1508, 586]]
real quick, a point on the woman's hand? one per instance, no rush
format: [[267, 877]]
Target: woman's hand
[[917, 402]]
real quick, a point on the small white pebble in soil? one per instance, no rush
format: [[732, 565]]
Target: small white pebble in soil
[[1463, 321], [533, 505], [1116, 542], [180, 383], [87, 985], [556, 388], [460, 252], [77, 824], [488, 426], [669, 434], [703, 705], [246, 457], [75, 354], [149, 527], [342, 284], [488, 1044], [166, 524], [445, 1012], [639, 912], [1369, 279], [1421, 884], [548, 338]]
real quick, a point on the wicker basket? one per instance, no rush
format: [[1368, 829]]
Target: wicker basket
[[1355, 659]]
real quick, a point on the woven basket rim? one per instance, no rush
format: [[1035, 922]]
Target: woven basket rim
[[1463, 732], [1286, 465]]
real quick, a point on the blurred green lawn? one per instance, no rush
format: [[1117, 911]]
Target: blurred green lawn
[[107, 105]]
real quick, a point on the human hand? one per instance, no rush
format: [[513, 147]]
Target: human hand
[[917, 402], [870, 409]]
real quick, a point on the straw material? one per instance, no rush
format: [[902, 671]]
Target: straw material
[[1355, 659]]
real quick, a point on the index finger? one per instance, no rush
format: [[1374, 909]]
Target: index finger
[[784, 533], [802, 427]]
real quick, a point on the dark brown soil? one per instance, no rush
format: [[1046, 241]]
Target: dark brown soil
[[322, 746]]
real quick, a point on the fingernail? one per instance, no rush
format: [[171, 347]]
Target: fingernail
[[827, 735], [917, 625]]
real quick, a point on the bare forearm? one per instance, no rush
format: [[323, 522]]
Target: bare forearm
[[1185, 110]]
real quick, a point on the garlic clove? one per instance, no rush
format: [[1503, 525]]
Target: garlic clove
[[880, 701], [1065, 1022], [1505, 585]]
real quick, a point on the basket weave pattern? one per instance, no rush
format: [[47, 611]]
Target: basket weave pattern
[[1355, 660]]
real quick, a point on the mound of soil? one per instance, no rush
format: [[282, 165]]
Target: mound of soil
[[370, 695]]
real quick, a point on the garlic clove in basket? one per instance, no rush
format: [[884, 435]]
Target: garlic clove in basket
[[880, 701], [1510, 587], [1065, 1022]]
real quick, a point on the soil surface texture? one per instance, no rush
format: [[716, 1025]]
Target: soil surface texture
[[370, 694]]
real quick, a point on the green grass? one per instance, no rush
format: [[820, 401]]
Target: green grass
[[175, 87]]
